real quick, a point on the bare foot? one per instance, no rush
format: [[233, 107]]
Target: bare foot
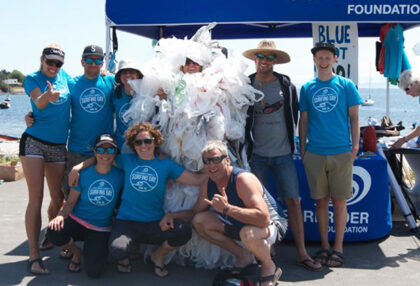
[[159, 266]]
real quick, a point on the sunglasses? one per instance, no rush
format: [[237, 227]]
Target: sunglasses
[[90, 61], [214, 160], [273, 107], [55, 63], [189, 61], [146, 141], [102, 150], [268, 58]]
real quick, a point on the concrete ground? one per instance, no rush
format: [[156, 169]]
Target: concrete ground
[[394, 260]]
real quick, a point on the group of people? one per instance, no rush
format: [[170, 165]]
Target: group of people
[[134, 172]]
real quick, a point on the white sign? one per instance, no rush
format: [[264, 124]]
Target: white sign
[[345, 38]]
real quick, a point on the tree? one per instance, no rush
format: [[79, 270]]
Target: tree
[[17, 75]]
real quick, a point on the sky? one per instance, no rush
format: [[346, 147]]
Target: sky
[[27, 26]]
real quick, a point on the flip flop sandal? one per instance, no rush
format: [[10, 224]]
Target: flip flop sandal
[[271, 278], [44, 270], [307, 263], [65, 254], [45, 243], [322, 256], [339, 258], [123, 268], [157, 267], [74, 266]]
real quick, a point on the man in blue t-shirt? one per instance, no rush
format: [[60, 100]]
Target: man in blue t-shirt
[[329, 106], [91, 109]]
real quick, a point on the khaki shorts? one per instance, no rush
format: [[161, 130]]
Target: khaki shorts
[[329, 175]]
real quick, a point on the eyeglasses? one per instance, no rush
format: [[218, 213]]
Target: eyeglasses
[[102, 150], [90, 61], [55, 63], [268, 58], [146, 141], [215, 160], [189, 61]]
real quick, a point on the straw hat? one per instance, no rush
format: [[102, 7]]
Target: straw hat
[[268, 46]]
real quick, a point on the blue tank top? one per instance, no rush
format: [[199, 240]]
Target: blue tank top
[[231, 193]]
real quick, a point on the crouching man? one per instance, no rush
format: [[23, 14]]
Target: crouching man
[[231, 208]]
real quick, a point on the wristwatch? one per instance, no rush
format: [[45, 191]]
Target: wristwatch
[[405, 139]]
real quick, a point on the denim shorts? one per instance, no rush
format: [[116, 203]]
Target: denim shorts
[[284, 173]]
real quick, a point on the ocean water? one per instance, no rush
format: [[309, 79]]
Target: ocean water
[[402, 108]]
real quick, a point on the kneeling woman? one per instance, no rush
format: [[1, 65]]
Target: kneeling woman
[[87, 214], [141, 218]]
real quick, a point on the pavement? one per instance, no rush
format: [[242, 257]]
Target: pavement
[[393, 260]]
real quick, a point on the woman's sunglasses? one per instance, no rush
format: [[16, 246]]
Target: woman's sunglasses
[[146, 141], [90, 61], [53, 63], [102, 150], [268, 58], [215, 160]]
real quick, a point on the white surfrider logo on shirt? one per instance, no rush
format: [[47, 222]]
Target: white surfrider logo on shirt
[[325, 99], [144, 178], [101, 192], [92, 100]]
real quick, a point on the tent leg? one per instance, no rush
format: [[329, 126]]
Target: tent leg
[[399, 195], [107, 45], [387, 98]]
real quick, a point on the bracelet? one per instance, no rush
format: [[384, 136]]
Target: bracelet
[[405, 139], [225, 209]]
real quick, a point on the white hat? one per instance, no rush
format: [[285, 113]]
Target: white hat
[[127, 64]]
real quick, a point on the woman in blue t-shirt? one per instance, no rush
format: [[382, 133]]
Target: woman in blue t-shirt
[[87, 214], [121, 99], [141, 217], [43, 145]]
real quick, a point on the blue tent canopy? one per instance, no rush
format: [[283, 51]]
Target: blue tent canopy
[[239, 19]]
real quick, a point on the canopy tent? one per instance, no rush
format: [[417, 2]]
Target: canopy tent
[[239, 19]]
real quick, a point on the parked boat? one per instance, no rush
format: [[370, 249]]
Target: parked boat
[[4, 105], [7, 137], [7, 98], [368, 101]]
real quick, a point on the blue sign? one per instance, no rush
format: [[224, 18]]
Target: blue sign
[[368, 211]]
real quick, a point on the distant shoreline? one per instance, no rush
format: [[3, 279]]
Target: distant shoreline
[[14, 90]]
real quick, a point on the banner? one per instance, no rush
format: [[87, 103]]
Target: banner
[[345, 38]]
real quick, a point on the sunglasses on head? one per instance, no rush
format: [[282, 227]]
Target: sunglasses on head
[[147, 141], [102, 150], [90, 61], [215, 160], [53, 63], [268, 58]]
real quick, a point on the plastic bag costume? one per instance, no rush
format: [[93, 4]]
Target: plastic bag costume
[[210, 104]]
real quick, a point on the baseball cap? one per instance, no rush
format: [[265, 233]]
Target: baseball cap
[[323, 46], [93, 50], [105, 138], [51, 53]]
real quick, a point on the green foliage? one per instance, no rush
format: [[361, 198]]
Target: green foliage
[[4, 74], [7, 158]]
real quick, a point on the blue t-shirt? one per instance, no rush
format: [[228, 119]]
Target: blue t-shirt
[[91, 112], [51, 123], [145, 186], [98, 195], [327, 104], [120, 106]]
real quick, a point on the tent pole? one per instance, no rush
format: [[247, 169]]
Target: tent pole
[[107, 43], [387, 98]]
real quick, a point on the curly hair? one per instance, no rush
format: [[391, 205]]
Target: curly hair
[[131, 134]]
